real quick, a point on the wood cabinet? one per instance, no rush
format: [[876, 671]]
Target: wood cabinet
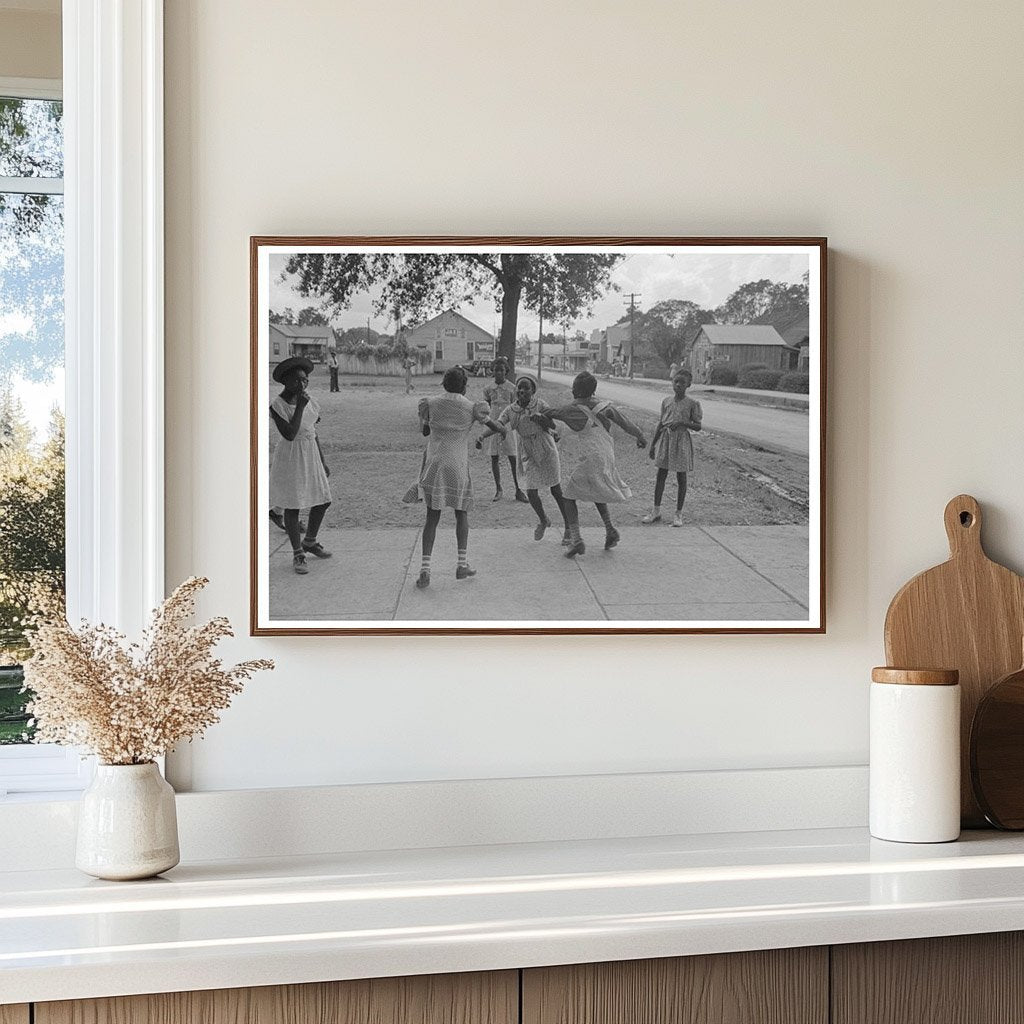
[[481, 998], [967, 979], [776, 986], [962, 979]]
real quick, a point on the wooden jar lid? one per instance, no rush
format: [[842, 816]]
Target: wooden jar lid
[[916, 676]]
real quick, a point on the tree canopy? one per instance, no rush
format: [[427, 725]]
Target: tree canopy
[[31, 242], [560, 286]]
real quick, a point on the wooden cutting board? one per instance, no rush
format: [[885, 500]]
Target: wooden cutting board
[[967, 614]]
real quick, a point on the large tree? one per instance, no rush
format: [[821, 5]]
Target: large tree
[[559, 286], [763, 301], [668, 328]]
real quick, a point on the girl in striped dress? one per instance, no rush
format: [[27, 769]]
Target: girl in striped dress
[[499, 396], [537, 456]]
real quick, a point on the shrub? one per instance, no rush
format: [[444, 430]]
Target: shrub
[[796, 383], [722, 374], [761, 380]]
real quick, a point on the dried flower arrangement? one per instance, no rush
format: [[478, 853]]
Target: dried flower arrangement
[[130, 703]]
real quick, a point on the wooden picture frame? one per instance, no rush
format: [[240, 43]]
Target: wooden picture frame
[[750, 554]]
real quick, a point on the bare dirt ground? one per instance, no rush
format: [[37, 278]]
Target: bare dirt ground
[[371, 440]]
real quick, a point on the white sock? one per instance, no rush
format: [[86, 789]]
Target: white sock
[[425, 564]]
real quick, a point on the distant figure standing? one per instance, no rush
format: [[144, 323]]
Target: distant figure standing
[[332, 367], [672, 446], [408, 363]]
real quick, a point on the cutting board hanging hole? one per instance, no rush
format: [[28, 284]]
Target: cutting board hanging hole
[[963, 526]]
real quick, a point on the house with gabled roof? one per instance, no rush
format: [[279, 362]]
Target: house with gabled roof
[[453, 339], [736, 345], [309, 340]]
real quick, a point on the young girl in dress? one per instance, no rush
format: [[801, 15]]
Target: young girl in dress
[[537, 459], [595, 477], [672, 446], [298, 472], [499, 396], [446, 420]]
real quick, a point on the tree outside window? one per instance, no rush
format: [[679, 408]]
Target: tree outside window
[[32, 540]]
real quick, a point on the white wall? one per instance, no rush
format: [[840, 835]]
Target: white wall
[[895, 129]]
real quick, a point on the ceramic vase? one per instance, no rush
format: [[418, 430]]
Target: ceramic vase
[[127, 825]]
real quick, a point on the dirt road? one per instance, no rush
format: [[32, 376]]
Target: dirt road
[[787, 429]]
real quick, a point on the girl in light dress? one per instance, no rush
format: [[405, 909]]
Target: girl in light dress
[[672, 446], [446, 420], [594, 477], [499, 396], [537, 456], [298, 472]]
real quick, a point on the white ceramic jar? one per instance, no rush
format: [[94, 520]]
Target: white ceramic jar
[[127, 823], [915, 755]]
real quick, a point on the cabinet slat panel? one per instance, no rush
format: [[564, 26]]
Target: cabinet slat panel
[[778, 986], [479, 998], [961, 979], [14, 1014]]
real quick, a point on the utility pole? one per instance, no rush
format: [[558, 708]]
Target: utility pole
[[540, 333], [631, 305]]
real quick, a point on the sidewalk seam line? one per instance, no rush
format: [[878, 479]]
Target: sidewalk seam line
[[758, 572], [401, 586]]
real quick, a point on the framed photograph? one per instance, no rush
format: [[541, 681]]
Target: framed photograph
[[537, 435]]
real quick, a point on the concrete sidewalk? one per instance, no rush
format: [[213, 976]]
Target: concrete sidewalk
[[657, 573]]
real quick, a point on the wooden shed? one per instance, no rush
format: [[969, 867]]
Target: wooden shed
[[736, 345]]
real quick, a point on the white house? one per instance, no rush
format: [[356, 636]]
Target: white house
[[453, 339]]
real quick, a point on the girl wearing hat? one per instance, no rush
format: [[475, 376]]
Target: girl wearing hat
[[445, 482], [298, 472], [537, 457], [595, 477]]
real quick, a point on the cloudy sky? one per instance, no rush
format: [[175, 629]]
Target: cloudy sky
[[704, 278]]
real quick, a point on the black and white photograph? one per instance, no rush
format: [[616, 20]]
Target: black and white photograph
[[537, 435]]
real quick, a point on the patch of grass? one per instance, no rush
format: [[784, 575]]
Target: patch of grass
[[370, 435]]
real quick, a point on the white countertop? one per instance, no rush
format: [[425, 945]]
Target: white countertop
[[224, 924]]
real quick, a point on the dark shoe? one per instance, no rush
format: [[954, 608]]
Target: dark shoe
[[277, 519], [423, 581], [611, 539], [299, 563], [520, 496], [579, 548], [538, 533], [316, 548], [463, 572]]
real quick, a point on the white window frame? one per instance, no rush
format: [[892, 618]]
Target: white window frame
[[114, 347]]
